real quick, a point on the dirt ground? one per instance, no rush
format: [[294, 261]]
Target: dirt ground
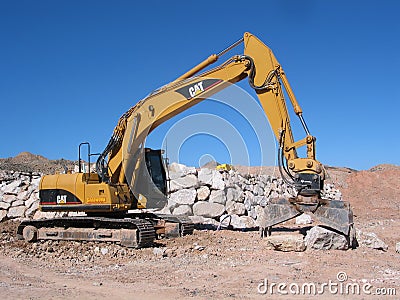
[[218, 264]]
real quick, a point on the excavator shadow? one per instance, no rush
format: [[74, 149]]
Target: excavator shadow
[[158, 244]]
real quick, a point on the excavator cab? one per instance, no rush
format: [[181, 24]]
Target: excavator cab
[[149, 186], [155, 167]]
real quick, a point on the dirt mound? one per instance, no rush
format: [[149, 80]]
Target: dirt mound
[[384, 167], [29, 157], [375, 192], [28, 162]]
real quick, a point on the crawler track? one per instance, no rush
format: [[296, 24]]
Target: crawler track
[[129, 232], [135, 230]]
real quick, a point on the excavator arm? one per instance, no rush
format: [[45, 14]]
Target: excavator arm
[[121, 161]]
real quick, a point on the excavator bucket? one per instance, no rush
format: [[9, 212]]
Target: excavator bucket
[[333, 214], [278, 211]]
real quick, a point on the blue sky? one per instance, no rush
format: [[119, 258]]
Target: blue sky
[[69, 69]]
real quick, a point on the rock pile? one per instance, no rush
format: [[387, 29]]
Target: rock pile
[[19, 194], [212, 197], [208, 196]]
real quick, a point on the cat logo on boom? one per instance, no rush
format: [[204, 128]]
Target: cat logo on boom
[[196, 89]]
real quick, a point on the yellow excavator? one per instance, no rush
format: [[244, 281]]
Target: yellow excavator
[[131, 177]]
